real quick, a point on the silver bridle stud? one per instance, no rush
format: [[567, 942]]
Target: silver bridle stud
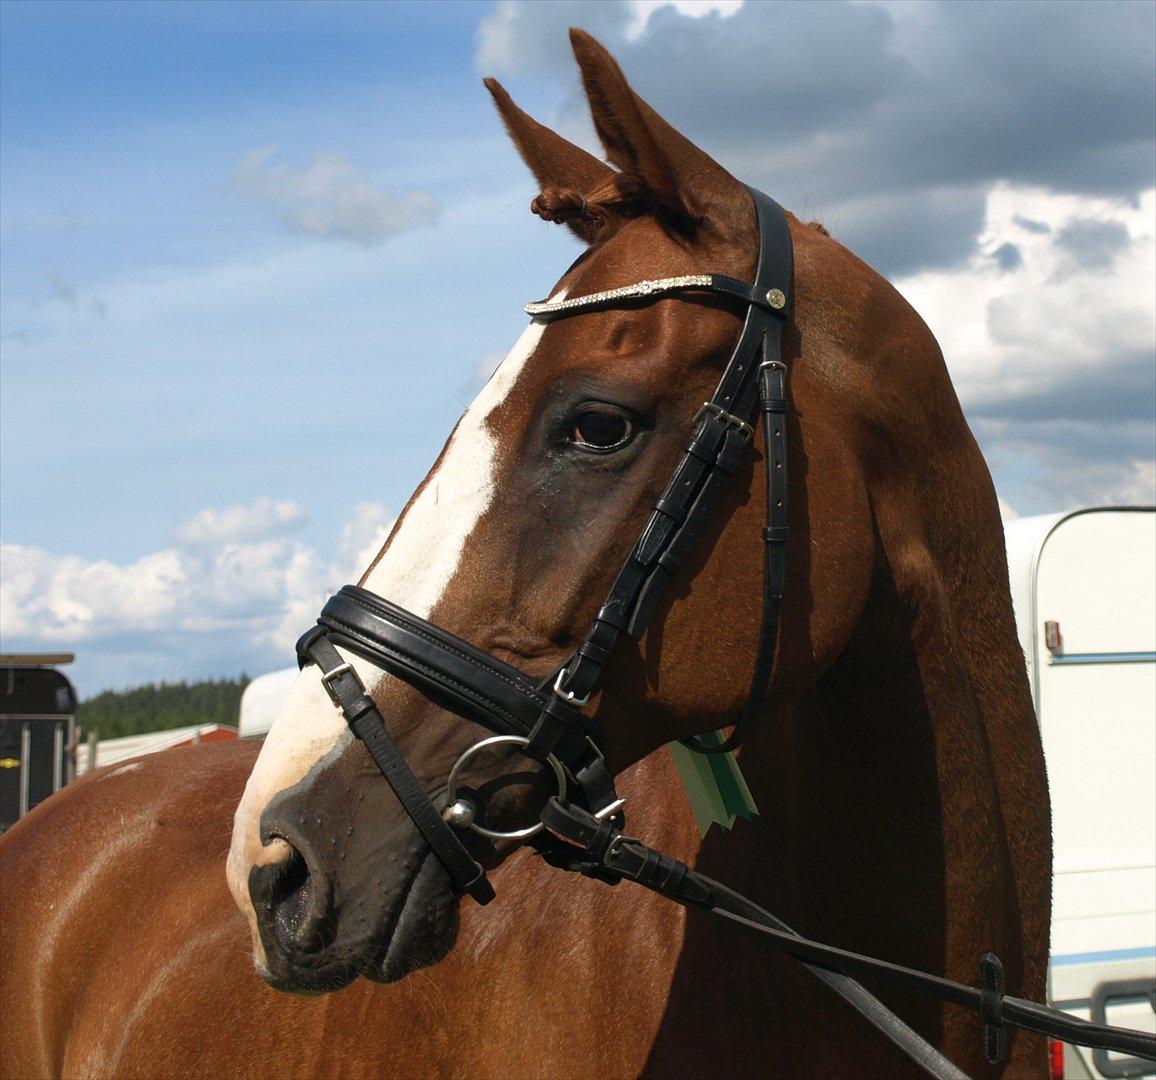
[[776, 298], [460, 815]]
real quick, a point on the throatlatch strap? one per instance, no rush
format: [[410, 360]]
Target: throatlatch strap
[[773, 405], [345, 688]]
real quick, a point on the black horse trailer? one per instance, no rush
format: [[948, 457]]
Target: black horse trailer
[[37, 731]]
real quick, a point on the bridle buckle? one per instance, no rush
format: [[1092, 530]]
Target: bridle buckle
[[725, 418], [327, 678], [569, 696]]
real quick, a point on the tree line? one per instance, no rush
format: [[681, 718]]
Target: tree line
[[161, 706]]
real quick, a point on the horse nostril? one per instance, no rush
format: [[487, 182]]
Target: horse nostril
[[292, 902], [291, 893]]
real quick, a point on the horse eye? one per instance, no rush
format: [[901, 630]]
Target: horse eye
[[601, 429]]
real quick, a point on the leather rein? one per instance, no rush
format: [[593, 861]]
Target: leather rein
[[581, 827]]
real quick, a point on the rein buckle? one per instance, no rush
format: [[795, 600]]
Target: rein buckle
[[611, 851]]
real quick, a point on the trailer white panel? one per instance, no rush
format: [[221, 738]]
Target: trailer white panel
[[261, 701], [1084, 588]]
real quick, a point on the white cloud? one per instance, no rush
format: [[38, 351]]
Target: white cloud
[[237, 587], [61, 598], [231, 580], [518, 37], [695, 9], [308, 580], [1014, 332], [264, 519], [330, 198], [1053, 350], [363, 536]]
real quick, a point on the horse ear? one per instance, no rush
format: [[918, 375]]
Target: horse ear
[[687, 185], [555, 162]]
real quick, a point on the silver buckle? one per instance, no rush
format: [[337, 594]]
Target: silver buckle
[[327, 678], [566, 695], [728, 419]]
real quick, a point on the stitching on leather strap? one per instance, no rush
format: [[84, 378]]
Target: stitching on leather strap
[[436, 675], [523, 688]]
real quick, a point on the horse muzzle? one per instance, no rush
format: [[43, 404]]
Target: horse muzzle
[[337, 904]]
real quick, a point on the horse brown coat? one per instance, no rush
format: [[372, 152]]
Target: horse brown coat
[[898, 771]]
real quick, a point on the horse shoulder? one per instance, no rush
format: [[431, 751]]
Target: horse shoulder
[[110, 871]]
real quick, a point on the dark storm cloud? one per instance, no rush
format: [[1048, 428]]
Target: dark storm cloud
[[867, 108], [892, 124], [1114, 393], [1079, 463], [874, 114], [905, 233]]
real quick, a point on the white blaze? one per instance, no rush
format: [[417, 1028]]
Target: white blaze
[[427, 548], [413, 573]]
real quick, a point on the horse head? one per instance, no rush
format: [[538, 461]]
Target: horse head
[[519, 528]]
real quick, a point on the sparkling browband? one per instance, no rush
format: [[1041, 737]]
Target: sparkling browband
[[624, 292], [774, 299]]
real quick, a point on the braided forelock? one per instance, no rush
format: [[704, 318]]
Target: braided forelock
[[619, 197]]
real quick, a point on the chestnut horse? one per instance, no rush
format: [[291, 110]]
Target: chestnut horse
[[897, 766]]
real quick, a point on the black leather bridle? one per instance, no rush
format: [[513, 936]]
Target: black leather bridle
[[581, 827]]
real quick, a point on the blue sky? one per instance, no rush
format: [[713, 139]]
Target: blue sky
[[257, 257], [169, 344]]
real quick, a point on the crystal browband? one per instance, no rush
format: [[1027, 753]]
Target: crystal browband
[[774, 299]]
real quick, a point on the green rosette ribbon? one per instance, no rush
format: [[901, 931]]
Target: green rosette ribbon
[[714, 785]]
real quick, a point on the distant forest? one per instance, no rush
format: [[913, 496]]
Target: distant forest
[[160, 706]]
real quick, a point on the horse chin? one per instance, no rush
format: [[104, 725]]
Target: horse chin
[[424, 925]]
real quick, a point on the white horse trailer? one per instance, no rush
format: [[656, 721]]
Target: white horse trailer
[[261, 701], [1084, 588]]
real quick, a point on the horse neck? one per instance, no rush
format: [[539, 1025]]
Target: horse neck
[[903, 796]]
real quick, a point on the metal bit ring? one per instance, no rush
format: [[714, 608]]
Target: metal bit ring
[[452, 789]]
